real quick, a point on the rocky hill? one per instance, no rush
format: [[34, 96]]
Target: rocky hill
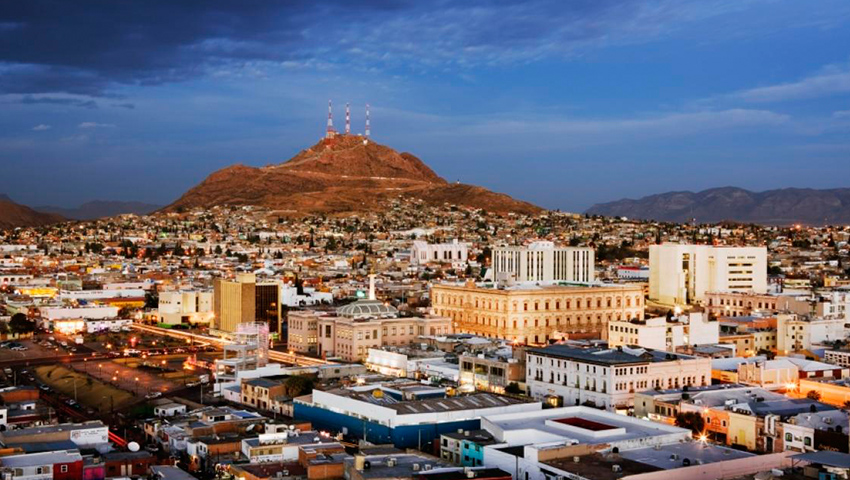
[[14, 215], [772, 207], [100, 209], [344, 174]]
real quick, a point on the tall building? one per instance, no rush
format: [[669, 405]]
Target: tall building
[[235, 302], [543, 262], [244, 300], [422, 253], [535, 314], [185, 306], [681, 274]]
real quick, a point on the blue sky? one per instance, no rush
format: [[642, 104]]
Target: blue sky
[[564, 104]]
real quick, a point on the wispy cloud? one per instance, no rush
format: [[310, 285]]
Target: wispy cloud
[[96, 125], [41, 127], [841, 114], [832, 80]]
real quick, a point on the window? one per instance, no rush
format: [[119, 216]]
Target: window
[[807, 441], [788, 437], [63, 469]]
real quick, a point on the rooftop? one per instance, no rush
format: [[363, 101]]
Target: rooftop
[[609, 356]]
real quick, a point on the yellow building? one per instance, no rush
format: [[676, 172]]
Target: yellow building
[[535, 314], [234, 302]]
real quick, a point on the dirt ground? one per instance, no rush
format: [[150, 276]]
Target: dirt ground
[[140, 376], [90, 392]]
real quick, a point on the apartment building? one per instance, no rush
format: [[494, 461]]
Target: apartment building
[[681, 274], [534, 314], [608, 378], [661, 333], [543, 262]]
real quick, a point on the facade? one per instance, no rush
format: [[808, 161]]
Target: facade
[[185, 306], [742, 304], [268, 305], [422, 253], [234, 302], [535, 314], [608, 378], [543, 262], [682, 274], [663, 334], [56, 465], [492, 373]]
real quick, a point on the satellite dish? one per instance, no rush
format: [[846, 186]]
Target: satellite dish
[[133, 447]]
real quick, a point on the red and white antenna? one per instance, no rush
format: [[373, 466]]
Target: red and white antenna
[[347, 120], [330, 131], [368, 126]]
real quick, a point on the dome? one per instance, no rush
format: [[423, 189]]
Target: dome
[[366, 309]]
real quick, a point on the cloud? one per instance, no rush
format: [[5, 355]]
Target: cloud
[[841, 114], [72, 102], [830, 81], [41, 127], [157, 41], [128, 106], [95, 125]]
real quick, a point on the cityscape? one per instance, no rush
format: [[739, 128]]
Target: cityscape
[[207, 297]]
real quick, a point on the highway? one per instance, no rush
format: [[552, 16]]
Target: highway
[[282, 357]]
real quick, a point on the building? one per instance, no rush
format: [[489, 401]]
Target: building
[[281, 447], [742, 304], [608, 378], [492, 371], [543, 262], [268, 305], [56, 465], [359, 326], [535, 314], [423, 253], [681, 274], [185, 306], [465, 447], [234, 302], [93, 434], [661, 333], [406, 415]]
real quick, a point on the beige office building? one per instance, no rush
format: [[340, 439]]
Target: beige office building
[[543, 262], [235, 302], [536, 314], [681, 274]]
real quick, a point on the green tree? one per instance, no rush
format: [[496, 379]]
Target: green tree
[[297, 385], [692, 421], [21, 324]]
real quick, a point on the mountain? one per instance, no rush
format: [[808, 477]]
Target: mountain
[[772, 207], [100, 209], [13, 215], [343, 174]]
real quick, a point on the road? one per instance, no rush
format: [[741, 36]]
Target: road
[[282, 357]]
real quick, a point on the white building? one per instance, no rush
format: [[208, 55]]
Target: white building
[[608, 378], [543, 262], [422, 253], [290, 297], [681, 274], [662, 334], [185, 306], [794, 333], [86, 312]]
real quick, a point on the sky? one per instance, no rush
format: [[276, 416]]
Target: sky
[[561, 103]]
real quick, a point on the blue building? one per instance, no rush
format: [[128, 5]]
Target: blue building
[[407, 415]]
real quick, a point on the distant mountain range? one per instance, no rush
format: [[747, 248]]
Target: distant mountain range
[[772, 207], [14, 215], [344, 174], [100, 209]]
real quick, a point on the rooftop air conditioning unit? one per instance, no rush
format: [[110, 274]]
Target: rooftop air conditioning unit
[[427, 467], [415, 467]]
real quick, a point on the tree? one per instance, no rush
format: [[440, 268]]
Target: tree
[[21, 324], [813, 395], [297, 385], [692, 421], [513, 388]]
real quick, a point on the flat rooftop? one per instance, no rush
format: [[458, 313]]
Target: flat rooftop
[[601, 467], [582, 425], [672, 456], [609, 356], [472, 401]]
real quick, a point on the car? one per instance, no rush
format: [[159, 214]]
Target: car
[[44, 388], [153, 395], [70, 402]]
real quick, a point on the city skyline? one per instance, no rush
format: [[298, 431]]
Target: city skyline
[[560, 106]]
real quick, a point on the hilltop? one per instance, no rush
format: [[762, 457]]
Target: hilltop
[[340, 175]]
